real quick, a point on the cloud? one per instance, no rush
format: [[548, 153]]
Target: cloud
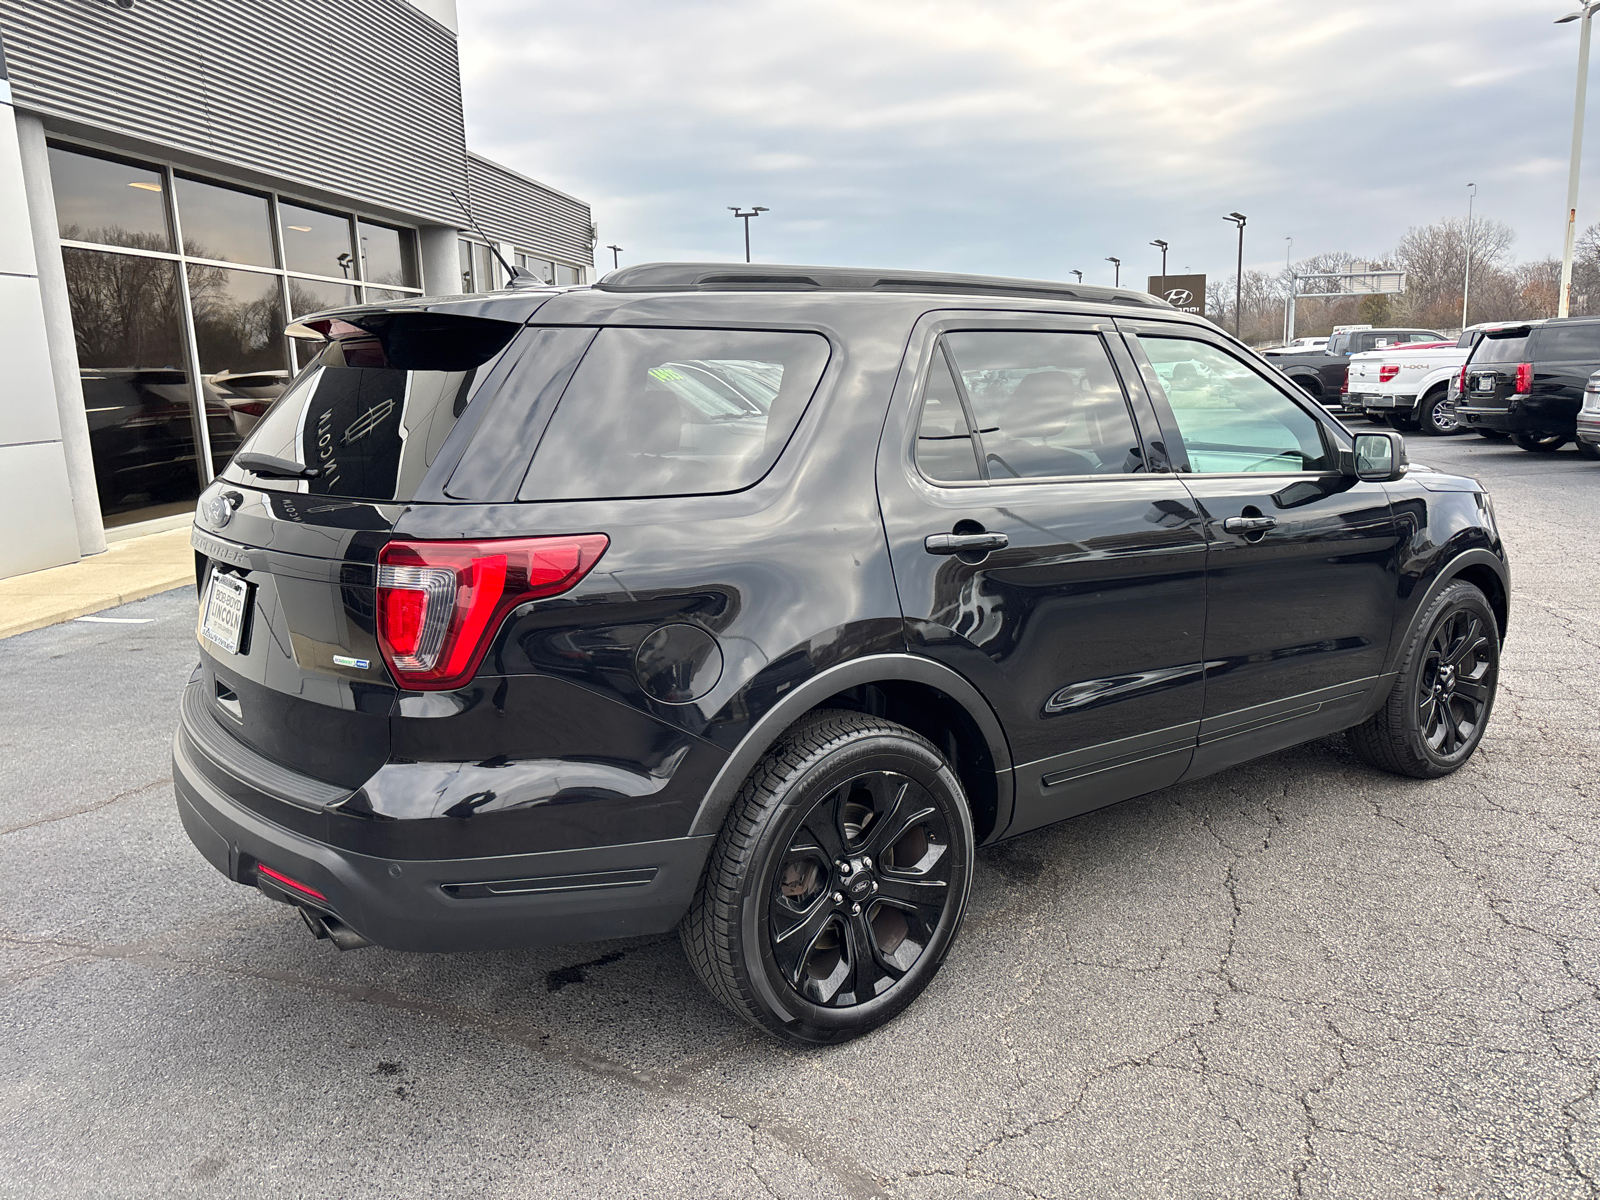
[[1023, 136]]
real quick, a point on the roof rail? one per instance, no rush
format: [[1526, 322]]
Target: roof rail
[[763, 277]]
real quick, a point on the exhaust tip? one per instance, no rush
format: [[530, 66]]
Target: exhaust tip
[[323, 925]]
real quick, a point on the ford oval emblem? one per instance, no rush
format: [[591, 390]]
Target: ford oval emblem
[[218, 507]]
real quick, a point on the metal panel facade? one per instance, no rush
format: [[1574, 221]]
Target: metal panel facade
[[513, 208], [356, 98]]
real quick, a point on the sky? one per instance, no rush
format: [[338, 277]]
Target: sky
[[1031, 137]]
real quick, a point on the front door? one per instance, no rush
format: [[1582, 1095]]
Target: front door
[[1042, 549], [1302, 569]]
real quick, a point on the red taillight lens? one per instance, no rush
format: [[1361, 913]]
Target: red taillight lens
[[263, 869], [251, 408], [1461, 384], [1344, 388], [439, 603], [1386, 373], [1524, 378]]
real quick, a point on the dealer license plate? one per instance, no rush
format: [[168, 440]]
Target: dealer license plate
[[227, 611]]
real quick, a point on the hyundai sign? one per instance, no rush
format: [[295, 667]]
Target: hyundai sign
[[1187, 293]]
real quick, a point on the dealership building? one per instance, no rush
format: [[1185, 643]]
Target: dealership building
[[179, 179]]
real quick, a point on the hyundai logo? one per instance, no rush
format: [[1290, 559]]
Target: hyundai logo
[[1178, 297]]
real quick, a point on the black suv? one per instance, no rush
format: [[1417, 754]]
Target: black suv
[[753, 600], [1528, 381]]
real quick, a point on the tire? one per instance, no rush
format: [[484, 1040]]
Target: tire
[[1436, 414], [1404, 422], [812, 803], [1494, 435], [1309, 386], [1539, 443], [1589, 449], [1432, 721]]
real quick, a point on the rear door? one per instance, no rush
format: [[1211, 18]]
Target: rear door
[[1077, 607], [1302, 568], [294, 670]]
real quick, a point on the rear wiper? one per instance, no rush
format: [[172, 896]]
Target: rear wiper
[[269, 467]]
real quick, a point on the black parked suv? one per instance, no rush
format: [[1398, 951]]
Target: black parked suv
[[1528, 381], [753, 600]]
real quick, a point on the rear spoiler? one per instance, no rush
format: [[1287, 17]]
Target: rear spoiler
[[454, 335]]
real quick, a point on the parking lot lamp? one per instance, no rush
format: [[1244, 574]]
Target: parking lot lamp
[[755, 211], [616, 256], [1585, 13], [1466, 279], [1238, 278], [1163, 246], [1116, 264], [1078, 273]]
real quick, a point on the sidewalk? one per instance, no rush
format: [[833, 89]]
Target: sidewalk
[[128, 570]]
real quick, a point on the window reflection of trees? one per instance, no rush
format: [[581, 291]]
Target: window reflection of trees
[[124, 308]]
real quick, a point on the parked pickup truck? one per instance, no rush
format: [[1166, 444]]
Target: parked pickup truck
[[1322, 372], [1415, 386]]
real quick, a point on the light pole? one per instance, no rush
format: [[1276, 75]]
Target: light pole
[[1238, 278], [616, 255], [1116, 264], [756, 211], [1163, 246], [1078, 273], [1288, 271], [1466, 281], [1585, 13]]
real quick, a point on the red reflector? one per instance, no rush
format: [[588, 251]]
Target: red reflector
[[1386, 373], [262, 869], [1524, 378], [440, 603]]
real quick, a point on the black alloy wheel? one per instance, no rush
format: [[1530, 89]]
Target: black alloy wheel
[[1436, 414], [1540, 443], [839, 881], [1437, 710]]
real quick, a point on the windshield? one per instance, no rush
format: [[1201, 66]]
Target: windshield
[[1496, 347]]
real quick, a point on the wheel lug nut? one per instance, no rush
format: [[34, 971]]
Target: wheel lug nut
[[838, 897], [855, 910]]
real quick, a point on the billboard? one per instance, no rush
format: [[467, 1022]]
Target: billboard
[[1187, 293]]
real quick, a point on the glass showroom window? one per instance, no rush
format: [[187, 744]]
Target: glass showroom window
[[179, 288]]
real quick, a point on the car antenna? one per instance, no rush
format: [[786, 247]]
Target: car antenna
[[513, 274]]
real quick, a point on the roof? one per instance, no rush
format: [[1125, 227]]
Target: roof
[[764, 277]]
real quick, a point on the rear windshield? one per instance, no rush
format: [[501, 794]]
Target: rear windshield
[[368, 424], [1511, 346], [675, 412]]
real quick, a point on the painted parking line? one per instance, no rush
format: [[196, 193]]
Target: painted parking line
[[117, 620]]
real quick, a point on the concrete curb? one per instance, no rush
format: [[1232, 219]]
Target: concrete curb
[[128, 570]]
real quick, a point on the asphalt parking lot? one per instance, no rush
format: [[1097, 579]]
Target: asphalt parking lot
[[1297, 978]]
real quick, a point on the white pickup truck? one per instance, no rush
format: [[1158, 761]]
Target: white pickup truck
[[1413, 387]]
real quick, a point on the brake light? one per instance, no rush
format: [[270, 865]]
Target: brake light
[[251, 408], [1344, 388], [440, 603], [1386, 373], [1524, 378], [1461, 384]]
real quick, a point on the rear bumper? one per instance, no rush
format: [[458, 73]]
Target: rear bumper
[[1537, 418], [447, 904], [1588, 431]]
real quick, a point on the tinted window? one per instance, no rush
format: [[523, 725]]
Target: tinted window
[[1046, 404], [386, 255], [224, 223], [317, 243], [944, 441], [102, 200], [1567, 343], [673, 412], [1511, 346], [1232, 419]]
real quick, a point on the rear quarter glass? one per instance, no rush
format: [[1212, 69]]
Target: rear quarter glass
[[675, 412]]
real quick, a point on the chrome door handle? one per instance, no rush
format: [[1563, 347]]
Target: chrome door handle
[[1249, 524], [958, 543]]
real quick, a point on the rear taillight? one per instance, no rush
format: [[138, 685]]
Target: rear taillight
[[440, 603], [251, 408], [1386, 373], [1524, 378], [1461, 384]]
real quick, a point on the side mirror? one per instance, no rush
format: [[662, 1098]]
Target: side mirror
[[1380, 457]]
